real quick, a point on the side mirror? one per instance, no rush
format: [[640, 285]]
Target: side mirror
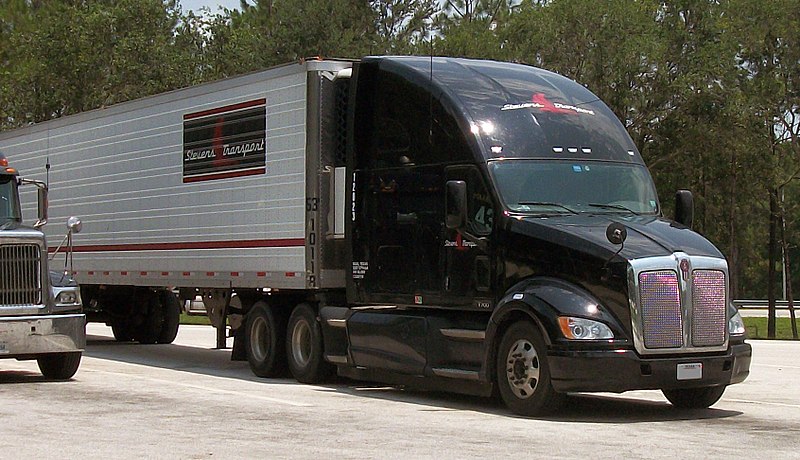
[[456, 204], [684, 207], [74, 224], [42, 205]]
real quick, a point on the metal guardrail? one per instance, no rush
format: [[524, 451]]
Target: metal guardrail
[[763, 304]]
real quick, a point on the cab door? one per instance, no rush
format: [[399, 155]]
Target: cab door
[[467, 253]]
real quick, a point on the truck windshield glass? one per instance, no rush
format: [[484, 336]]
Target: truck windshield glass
[[570, 187], [9, 206]]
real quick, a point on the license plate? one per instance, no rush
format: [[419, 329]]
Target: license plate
[[690, 371]]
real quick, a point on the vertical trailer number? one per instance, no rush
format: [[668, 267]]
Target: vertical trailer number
[[312, 205]]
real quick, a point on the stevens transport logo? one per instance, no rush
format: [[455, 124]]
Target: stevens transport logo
[[225, 142], [542, 104]]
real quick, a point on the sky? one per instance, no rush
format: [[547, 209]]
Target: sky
[[195, 5]]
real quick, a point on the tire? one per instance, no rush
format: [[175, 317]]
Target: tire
[[305, 348], [694, 398], [266, 351], [59, 366], [523, 375], [150, 328], [171, 317], [122, 332]]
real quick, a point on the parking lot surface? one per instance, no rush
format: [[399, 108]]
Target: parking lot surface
[[187, 400]]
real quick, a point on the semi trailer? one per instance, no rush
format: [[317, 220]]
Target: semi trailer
[[40, 309], [474, 226]]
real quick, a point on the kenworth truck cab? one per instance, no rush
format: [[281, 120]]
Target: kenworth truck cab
[[505, 231], [40, 310]]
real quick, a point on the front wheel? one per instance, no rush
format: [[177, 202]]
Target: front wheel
[[305, 348], [523, 376], [59, 366], [264, 339], [694, 398]]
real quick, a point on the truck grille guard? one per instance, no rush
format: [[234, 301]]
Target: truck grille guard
[[679, 304], [20, 275]]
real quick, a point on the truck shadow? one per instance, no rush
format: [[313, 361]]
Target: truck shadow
[[581, 408]]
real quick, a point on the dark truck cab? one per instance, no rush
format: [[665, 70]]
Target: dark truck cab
[[506, 233]]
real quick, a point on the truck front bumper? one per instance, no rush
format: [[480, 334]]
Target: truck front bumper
[[624, 370], [27, 336]]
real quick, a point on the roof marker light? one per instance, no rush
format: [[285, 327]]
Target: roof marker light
[[558, 149], [586, 150], [573, 149]]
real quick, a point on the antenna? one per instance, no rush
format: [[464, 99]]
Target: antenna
[[430, 98], [47, 167]]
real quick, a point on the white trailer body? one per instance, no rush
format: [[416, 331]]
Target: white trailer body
[[224, 185]]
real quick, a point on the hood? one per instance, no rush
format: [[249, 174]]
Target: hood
[[14, 229], [647, 236]]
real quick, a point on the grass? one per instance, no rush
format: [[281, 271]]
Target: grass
[[757, 328], [195, 319]]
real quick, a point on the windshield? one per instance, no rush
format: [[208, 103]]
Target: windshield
[[9, 205], [572, 187]]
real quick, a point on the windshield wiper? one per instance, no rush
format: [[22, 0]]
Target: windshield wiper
[[614, 206], [546, 203]]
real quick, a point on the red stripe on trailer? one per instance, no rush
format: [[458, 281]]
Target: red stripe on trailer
[[123, 273], [261, 274], [227, 108], [90, 273], [290, 274], [187, 273], [236, 244], [234, 273], [164, 273], [227, 175], [210, 273], [142, 273]]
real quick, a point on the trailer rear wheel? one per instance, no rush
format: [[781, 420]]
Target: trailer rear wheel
[[59, 366], [150, 306], [122, 332], [523, 375], [305, 347], [265, 345], [171, 315], [694, 398]]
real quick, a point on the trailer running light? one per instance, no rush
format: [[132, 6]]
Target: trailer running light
[[583, 329]]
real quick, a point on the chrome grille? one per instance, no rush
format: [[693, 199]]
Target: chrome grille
[[708, 308], [661, 309], [20, 275], [679, 303]]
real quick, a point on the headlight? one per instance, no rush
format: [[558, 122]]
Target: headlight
[[68, 297], [736, 325], [583, 329]]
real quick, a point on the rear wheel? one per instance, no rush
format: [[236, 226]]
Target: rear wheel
[[171, 317], [694, 398], [523, 375], [150, 307], [59, 366], [266, 352], [305, 347], [122, 332]]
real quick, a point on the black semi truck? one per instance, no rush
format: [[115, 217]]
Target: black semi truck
[[449, 223]]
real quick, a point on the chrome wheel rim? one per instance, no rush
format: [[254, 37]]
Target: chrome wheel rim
[[522, 368], [301, 343]]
